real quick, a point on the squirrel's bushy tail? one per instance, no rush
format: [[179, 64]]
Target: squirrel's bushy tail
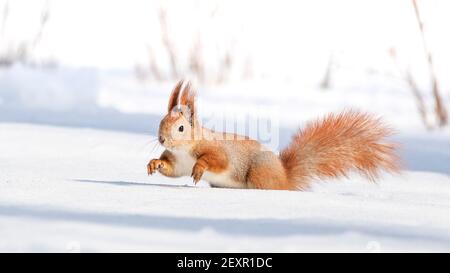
[[337, 144]]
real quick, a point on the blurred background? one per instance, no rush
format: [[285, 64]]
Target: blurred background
[[111, 64]]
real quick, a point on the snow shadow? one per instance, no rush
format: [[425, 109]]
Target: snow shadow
[[94, 118], [233, 227], [425, 154], [129, 183]]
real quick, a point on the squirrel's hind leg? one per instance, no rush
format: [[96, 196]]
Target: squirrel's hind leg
[[267, 172]]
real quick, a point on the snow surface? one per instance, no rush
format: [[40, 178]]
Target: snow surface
[[68, 189]]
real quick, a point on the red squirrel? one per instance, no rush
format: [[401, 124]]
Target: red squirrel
[[327, 148]]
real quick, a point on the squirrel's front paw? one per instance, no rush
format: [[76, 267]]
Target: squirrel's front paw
[[154, 165], [197, 172]]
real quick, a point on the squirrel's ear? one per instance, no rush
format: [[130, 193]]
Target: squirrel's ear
[[173, 99], [187, 99], [183, 99]]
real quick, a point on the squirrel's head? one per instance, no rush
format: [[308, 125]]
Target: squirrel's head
[[177, 128]]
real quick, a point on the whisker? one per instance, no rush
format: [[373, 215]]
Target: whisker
[[148, 142], [149, 134], [154, 147], [144, 147]]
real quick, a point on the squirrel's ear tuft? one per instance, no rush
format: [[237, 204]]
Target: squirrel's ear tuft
[[183, 97], [187, 96], [187, 99], [173, 99]]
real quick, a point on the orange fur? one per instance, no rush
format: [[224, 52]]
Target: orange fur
[[267, 172], [187, 98], [212, 156], [209, 157], [164, 164], [337, 144], [173, 99]]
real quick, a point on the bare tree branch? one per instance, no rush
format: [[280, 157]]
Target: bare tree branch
[[420, 102], [440, 110]]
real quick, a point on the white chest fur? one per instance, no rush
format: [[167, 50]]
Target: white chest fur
[[184, 162]]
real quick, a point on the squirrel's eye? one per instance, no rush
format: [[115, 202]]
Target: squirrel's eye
[[181, 128]]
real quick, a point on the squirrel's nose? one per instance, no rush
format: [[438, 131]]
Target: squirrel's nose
[[161, 139]]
